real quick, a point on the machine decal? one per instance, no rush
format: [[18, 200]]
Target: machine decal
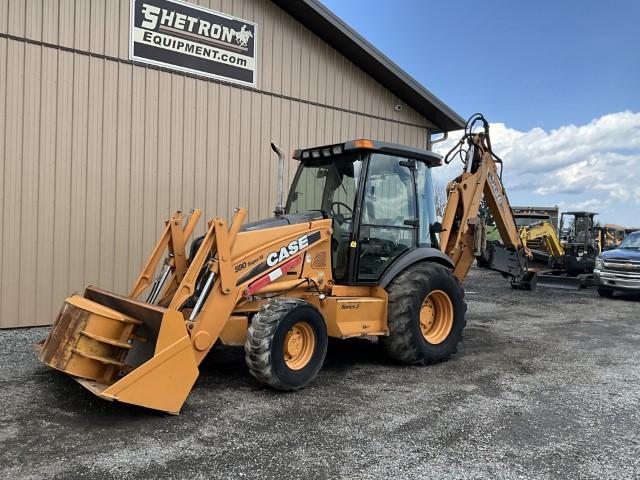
[[275, 257], [248, 263], [189, 38], [349, 306], [494, 188], [272, 276], [285, 252]]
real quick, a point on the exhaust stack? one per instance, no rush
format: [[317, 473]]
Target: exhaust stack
[[279, 210]]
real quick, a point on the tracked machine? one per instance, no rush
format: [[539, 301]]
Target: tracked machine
[[563, 261], [543, 242], [356, 251]]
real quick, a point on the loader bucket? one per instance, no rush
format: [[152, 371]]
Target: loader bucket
[[123, 349]]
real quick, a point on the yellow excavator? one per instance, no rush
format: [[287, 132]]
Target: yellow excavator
[[356, 251], [567, 261], [552, 250]]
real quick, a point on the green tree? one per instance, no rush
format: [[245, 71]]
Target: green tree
[[485, 213]]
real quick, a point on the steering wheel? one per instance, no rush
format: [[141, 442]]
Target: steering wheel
[[335, 213]]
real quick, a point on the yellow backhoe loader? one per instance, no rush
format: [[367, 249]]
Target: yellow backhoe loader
[[354, 252]]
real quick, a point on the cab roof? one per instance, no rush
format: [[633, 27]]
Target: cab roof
[[431, 158]]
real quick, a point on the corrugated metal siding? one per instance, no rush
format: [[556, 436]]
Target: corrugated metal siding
[[96, 152]]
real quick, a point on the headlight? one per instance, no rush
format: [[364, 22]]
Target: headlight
[[599, 263]]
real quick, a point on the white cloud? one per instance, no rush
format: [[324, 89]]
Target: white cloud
[[589, 204], [596, 165]]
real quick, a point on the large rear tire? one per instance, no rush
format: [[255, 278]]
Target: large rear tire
[[426, 315], [286, 344]]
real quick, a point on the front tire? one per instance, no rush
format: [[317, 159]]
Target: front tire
[[286, 344], [605, 292], [426, 315]]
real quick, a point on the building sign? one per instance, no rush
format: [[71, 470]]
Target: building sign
[[193, 39]]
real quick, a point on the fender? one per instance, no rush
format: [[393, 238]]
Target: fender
[[413, 256]]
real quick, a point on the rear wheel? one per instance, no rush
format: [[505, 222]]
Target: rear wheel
[[286, 344], [426, 315], [605, 292]]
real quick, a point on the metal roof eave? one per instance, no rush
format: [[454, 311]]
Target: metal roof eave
[[321, 21]]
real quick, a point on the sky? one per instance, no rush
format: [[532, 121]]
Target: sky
[[559, 81]]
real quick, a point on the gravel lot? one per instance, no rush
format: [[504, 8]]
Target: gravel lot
[[545, 385]]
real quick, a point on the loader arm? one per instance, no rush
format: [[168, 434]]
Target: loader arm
[[463, 233], [147, 354]]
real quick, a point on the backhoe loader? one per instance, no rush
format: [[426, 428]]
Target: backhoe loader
[[609, 236], [356, 251]]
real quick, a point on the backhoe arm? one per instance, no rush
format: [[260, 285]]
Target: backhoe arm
[[463, 232]]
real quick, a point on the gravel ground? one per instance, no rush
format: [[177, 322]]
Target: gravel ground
[[546, 385]]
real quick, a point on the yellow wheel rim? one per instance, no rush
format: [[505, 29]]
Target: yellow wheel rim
[[436, 317], [299, 345]]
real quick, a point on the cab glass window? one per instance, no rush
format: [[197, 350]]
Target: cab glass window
[[426, 206], [389, 201], [330, 186]]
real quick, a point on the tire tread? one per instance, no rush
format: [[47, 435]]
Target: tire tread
[[260, 335], [400, 344]]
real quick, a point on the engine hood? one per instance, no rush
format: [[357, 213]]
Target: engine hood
[[621, 254], [281, 221]]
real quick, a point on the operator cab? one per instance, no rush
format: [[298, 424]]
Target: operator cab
[[379, 196], [577, 229], [577, 235]]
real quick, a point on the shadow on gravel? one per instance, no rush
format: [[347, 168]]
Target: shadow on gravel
[[73, 405], [343, 354], [630, 297]]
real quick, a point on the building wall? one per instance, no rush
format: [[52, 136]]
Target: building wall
[[95, 151]]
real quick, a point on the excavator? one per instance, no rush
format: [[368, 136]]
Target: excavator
[[356, 251], [567, 260], [549, 248], [579, 238]]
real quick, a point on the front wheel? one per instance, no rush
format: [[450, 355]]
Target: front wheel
[[605, 292], [426, 315], [286, 344]]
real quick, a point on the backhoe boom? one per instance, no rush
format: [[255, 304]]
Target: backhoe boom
[[463, 232]]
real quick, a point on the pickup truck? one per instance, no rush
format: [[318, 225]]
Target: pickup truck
[[619, 269]]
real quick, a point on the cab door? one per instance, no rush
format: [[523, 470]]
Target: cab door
[[388, 217]]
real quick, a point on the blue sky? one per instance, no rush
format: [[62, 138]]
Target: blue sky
[[558, 72], [528, 64]]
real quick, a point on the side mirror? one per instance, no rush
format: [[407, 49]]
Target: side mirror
[[436, 227]]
